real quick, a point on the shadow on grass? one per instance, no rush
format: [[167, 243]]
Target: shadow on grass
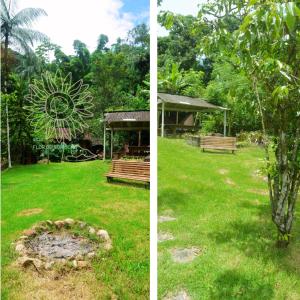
[[173, 199], [233, 285], [120, 182], [256, 240]]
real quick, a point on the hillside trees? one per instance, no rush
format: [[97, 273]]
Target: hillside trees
[[265, 48]]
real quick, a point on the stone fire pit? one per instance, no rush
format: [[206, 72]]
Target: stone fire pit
[[63, 242]]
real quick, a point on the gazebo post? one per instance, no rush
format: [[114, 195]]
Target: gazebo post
[[111, 143], [162, 119], [225, 122], [104, 141], [140, 137]]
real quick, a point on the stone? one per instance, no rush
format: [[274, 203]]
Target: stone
[[182, 295], [162, 219], [49, 265], [92, 230], [29, 232], [39, 228], [20, 247], [49, 223], [43, 161], [223, 171], [69, 221], [82, 264], [103, 234], [24, 261], [164, 236], [38, 263], [75, 264], [79, 257], [59, 224], [107, 246], [91, 255], [82, 225], [229, 181], [185, 255], [23, 237]]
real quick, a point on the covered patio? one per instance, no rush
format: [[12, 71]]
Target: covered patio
[[178, 112], [135, 121]]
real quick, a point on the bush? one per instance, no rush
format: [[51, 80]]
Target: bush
[[252, 137]]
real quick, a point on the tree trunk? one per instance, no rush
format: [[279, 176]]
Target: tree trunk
[[284, 185], [8, 137], [285, 188], [5, 91]]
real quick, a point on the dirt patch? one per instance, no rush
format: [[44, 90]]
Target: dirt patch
[[55, 286], [162, 219], [185, 255], [223, 171], [30, 212], [165, 236], [182, 295], [259, 175], [230, 182], [60, 245], [258, 192]]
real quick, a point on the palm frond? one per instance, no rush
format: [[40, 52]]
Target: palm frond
[[5, 15], [27, 16], [29, 35], [20, 44]]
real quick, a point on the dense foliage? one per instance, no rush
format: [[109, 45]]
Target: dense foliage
[[117, 75], [253, 50]]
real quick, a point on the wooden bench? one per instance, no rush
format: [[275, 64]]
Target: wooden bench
[[218, 143], [132, 170]]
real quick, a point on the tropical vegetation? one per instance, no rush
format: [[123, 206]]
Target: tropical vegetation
[[248, 52], [117, 75]]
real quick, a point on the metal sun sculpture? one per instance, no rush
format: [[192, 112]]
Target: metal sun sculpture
[[57, 106]]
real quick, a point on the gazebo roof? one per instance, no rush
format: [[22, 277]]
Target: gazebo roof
[[184, 103], [128, 120]]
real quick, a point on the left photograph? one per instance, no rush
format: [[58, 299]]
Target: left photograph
[[75, 149]]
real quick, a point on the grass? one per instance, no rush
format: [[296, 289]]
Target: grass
[[78, 191], [228, 217]]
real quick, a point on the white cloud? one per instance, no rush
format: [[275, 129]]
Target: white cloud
[[188, 7], [83, 20]]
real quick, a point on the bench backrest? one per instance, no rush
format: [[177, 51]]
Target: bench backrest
[[218, 142], [134, 168]]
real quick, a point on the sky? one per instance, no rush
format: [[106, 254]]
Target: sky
[[85, 20], [183, 7]]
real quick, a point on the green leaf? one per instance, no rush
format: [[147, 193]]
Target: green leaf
[[290, 19], [169, 21], [297, 10]]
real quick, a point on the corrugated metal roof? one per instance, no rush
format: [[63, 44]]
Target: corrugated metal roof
[[184, 102], [127, 116]]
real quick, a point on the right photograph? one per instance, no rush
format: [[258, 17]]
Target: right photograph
[[228, 149]]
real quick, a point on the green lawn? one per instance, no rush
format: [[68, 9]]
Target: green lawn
[[78, 191], [225, 216]]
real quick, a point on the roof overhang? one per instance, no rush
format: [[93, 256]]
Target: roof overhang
[[185, 104], [128, 120]]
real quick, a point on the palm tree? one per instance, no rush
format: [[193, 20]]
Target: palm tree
[[15, 31]]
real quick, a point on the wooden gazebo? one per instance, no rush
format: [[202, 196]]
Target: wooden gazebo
[[137, 121], [178, 112]]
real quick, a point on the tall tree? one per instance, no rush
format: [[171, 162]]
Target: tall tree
[[265, 46], [102, 41], [15, 31]]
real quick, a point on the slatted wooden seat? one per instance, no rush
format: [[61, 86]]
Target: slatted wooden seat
[[218, 143], [131, 170]]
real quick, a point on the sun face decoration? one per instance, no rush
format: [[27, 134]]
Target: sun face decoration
[[58, 108]]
